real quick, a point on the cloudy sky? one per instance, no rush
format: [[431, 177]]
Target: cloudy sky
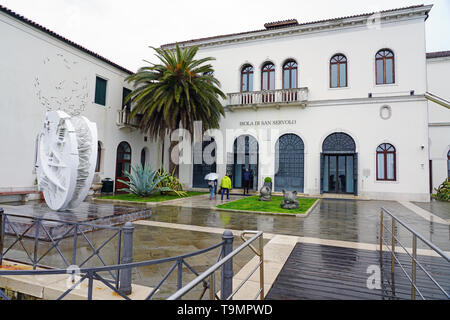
[[122, 30]]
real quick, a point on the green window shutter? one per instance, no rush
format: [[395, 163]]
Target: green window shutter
[[100, 91]]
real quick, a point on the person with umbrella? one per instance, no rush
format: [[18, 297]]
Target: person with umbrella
[[212, 183]]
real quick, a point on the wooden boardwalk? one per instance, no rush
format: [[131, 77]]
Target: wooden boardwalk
[[322, 272]]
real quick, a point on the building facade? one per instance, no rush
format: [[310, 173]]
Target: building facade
[[335, 106], [329, 107]]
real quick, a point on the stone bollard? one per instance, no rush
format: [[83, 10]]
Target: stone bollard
[[127, 257], [227, 269]]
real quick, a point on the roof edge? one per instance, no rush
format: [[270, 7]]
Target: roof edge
[[289, 28]]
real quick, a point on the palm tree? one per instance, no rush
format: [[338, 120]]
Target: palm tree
[[175, 93]]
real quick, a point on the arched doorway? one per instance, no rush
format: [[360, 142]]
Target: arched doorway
[[289, 163], [123, 164], [201, 165], [245, 156], [339, 165]]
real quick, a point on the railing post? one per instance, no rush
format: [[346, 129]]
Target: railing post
[[381, 237], [127, 257], [393, 247], [2, 231], [261, 267], [227, 269], [413, 270]]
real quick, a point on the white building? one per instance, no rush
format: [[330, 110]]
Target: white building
[[344, 99]]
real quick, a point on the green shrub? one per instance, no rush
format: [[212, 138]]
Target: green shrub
[[171, 182], [144, 181], [268, 179], [443, 192]]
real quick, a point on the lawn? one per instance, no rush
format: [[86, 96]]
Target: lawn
[[253, 204], [153, 198]]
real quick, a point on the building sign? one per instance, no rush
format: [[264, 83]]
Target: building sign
[[264, 123]]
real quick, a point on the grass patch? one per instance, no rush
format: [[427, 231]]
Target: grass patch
[[253, 204], [153, 198]]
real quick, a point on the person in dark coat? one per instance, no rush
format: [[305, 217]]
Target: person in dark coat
[[246, 180]]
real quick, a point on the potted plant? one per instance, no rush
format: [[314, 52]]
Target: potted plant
[[268, 182]]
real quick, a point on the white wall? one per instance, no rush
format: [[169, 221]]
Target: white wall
[[29, 54]]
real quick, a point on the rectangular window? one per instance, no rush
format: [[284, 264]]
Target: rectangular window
[[125, 93], [342, 75], [250, 83], [100, 91], [380, 72], [286, 80], [390, 166], [244, 83], [380, 166], [334, 76], [389, 71]]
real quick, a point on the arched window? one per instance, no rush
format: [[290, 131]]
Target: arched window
[[99, 156], [338, 71], [290, 73], [247, 78], [384, 66], [268, 77], [386, 162]]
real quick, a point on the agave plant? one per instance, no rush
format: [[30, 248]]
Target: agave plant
[[171, 182], [144, 181]]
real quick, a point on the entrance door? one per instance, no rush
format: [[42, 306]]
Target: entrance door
[[289, 162], [338, 175], [245, 157], [123, 164]]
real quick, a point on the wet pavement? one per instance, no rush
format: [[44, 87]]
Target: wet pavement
[[333, 219], [439, 208], [149, 243]]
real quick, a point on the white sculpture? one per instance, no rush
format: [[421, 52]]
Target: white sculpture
[[66, 159]]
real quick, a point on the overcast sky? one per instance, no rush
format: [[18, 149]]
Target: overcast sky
[[122, 30]]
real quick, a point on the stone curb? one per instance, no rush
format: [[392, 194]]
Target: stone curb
[[148, 204], [298, 215]]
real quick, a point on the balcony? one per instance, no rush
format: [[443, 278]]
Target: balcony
[[268, 98], [124, 119]]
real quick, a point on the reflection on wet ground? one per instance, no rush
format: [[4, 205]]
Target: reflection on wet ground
[[346, 220], [439, 208]]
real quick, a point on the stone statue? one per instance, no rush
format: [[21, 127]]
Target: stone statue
[[290, 200], [265, 194], [66, 159]]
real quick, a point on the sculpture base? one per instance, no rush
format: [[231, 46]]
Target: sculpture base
[[88, 212]]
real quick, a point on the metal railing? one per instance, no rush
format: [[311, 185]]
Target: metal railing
[[413, 254], [37, 231], [124, 118], [121, 283], [281, 96], [226, 267]]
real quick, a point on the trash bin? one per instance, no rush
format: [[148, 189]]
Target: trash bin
[[108, 185]]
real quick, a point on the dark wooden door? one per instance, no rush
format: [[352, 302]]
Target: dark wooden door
[[123, 164]]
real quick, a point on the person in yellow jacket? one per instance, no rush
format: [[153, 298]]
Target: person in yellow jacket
[[226, 186]]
